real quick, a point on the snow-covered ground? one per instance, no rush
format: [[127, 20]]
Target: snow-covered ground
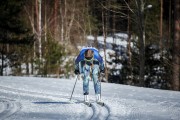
[[29, 98]]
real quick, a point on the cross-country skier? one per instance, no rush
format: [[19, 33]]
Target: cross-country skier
[[90, 64]]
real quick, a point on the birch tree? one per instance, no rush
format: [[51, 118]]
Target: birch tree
[[39, 30]]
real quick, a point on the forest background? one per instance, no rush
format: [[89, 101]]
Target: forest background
[[41, 38]]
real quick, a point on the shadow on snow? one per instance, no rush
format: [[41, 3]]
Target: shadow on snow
[[57, 102]]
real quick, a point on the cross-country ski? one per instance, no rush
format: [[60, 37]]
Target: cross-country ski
[[100, 103], [88, 104]]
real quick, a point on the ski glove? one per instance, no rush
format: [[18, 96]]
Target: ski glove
[[76, 72], [102, 71]]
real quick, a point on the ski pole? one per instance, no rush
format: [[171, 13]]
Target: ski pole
[[100, 83], [74, 87]]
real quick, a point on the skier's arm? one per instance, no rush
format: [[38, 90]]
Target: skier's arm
[[76, 67], [101, 67]]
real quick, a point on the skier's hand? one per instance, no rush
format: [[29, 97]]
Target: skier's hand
[[76, 72], [102, 71]]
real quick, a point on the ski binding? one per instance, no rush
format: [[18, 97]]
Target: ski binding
[[100, 103]]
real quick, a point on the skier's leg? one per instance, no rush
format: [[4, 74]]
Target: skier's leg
[[97, 86], [86, 77], [85, 85]]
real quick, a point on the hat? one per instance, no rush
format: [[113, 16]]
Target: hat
[[89, 54]]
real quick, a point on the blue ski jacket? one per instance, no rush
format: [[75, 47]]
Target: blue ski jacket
[[97, 59]]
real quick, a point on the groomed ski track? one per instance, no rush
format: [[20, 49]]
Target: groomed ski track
[[29, 98], [10, 107]]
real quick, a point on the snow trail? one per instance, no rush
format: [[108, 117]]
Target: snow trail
[[8, 108], [29, 98]]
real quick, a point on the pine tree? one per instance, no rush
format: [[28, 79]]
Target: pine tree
[[12, 29]]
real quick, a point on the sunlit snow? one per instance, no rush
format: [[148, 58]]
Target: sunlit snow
[[30, 98]]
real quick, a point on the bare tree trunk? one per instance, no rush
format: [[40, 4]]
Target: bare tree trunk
[[56, 4], [36, 14], [27, 67], [176, 47], [33, 28], [68, 30], [140, 6], [161, 27], [2, 59], [114, 24], [45, 21], [129, 47], [89, 22], [95, 40], [45, 71], [170, 22], [62, 13], [105, 35], [39, 30], [63, 19]]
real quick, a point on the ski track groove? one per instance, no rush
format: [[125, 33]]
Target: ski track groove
[[43, 95], [170, 107], [97, 112], [9, 108], [34, 94], [96, 109], [108, 109], [134, 111]]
